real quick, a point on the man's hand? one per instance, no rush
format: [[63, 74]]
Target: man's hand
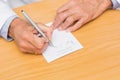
[[26, 37], [76, 13]]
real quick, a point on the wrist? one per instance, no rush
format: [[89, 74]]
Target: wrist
[[13, 24], [109, 4]]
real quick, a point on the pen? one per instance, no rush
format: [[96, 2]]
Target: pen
[[36, 26]]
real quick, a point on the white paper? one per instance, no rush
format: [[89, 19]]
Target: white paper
[[64, 43]]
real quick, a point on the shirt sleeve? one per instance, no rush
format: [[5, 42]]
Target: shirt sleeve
[[6, 17], [5, 28], [116, 4]]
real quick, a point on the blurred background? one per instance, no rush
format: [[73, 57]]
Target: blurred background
[[18, 3]]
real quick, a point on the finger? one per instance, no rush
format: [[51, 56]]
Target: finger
[[64, 7], [32, 49], [39, 46], [48, 31], [30, 28], [34, 40], [35, 31], [40, 51], [61, 17], [37, 52], [37, 41], [68, 22], [44, 47], [44, 28], [27, 47], [76, 26]]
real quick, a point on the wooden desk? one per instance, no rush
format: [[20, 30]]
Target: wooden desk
[[98, 60]]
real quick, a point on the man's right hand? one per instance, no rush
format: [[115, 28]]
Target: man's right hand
[[26, 37]]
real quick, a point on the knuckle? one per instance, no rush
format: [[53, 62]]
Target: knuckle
[[62, 16], [22, 45], [49, 30], [78, 8], [25, 36], [86, 15], [74, 2], [22, 49], [39, 51], [39, 46], [58, 11], [74, 28], [70, 19]]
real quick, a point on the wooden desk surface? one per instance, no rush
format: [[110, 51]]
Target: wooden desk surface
[[98, 60]]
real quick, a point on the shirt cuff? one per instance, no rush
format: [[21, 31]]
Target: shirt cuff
[[5, 28], [115, 4]]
